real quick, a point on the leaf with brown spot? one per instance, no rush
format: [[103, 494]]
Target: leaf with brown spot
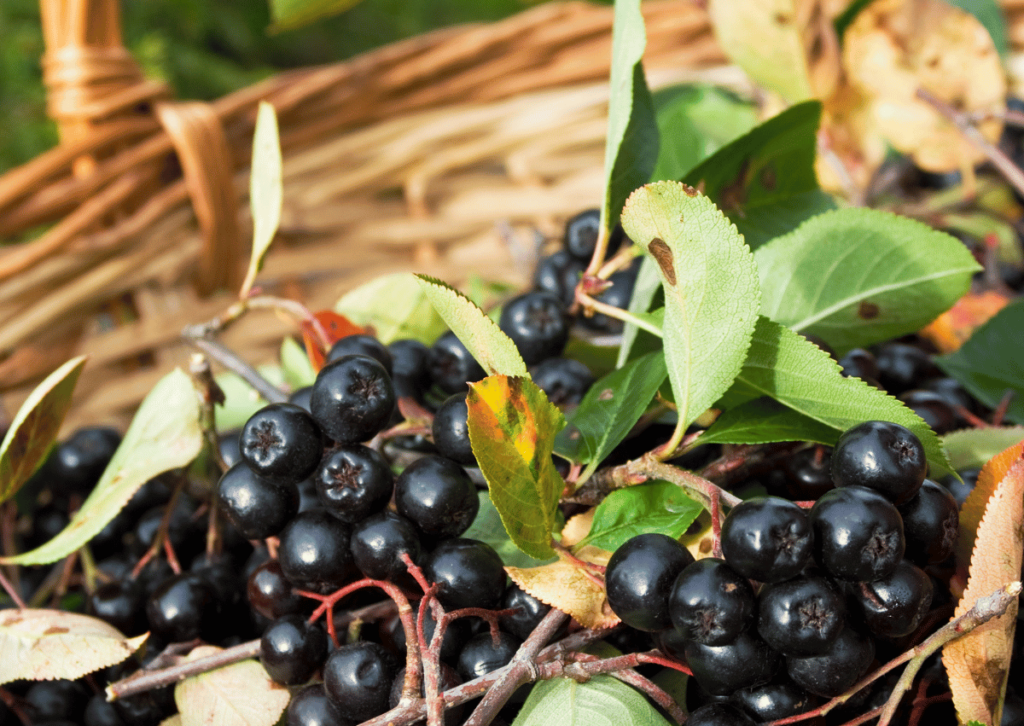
[[566, 586], [35, 427], [978, 663], [240, 694], [41, 645]]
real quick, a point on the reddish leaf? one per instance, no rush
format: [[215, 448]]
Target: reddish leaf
[[951, 329], [335, 327]]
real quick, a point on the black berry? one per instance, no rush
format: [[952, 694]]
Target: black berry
[[640, 577], [451, 430], [292, 650], [711, 603], [451, 365], [767, 539], [470, 574], [801, 616], [931, 524], [538, 325], [833, 672], [564, 380], [881, 455], [314, 551], [354, 482], [258, 508], [360, 344], [358, 677], [280, 442], [437, 495], [858, 534], [352, 399], [378, 543]]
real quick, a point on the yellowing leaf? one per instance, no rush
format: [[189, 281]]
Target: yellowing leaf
[[978, 664], [241, 694], [893, 48], [41, 645], [567, 586], [512, 428]]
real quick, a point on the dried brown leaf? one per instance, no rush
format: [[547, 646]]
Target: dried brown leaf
[[578, 527], [570, 588], [978, 663], [39, 645], [895, 47], [240, 694]]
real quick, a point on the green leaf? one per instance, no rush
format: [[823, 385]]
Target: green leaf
[[291, 14], [991, 362], [764, 181], [266, 193], [656, 507], [631, 144], [972, 448], [859, 276], [46, 644], [787, 367], [609, 410], [487, 527], [240, 399], [512, 428], [990, 15], [601, 701], [645, 289], [711, 290], [395, 307], [296, 368], [492, 349], [35, 427], [764, 420], [165, 434], [240, 694]]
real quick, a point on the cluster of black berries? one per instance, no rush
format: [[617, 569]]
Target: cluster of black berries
[[792, 610]]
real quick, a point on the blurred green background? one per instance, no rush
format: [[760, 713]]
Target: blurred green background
[[206, 48]]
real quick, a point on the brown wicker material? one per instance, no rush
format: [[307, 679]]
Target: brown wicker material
[[441, 153]]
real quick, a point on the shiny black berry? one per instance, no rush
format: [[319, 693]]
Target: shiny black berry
[[881, 455], [960, 489], [581, 233], [292, 650], [378, 543], [437, 495], [537, 323], [767, 539], [352, 399], [99, 712], [358, 678], [933, 408], [719, 714], [902, 367], [56, 700], [639, 579], [469, 572], [451, 365], [183, 607], [801, 616], [895, 605], [354, 482], [258, 508], [314, 551], [931, 524], [808, 473], [312, 707], [711, 603], [564, 380], [858, 534], [860, 363], [528, 612], [78, 462], [119, 603], [722, 669], [270, 594], [773, 701], [833, 672], [281, 443], [559, 274], [360, 344], [481, 655], [451, 430]]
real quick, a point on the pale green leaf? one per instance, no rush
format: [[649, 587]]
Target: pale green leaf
[[240, 694], [35, 427], [764, 420], [972, 448], [487, 527], [296, 368], [601, 701], [266, 190], [493, 350], [165, 434], [787, 367], [645, 289], [291, 14], [240, 399], [631, 143], [395, 306], [854, 277], [659, 507], [609, 410], [44, 645], [512, 428], [991, 363], [711, 290]]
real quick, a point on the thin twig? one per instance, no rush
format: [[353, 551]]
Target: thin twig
[[233, 363], [145, 681]]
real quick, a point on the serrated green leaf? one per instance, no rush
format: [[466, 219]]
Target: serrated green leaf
[[991, 362], [976, 723], [240, 399], [395, 306], [855, 277], [764, 181], [46, 644], [609, 410], [291, 14], [631, 144], [601, 701], [645, 289], [762, 421], [296, 368], [990, 15], [35, 427], [656, 507], [487, 527], [240, 694], [266, 190], [711, 290], [492, 349], [165, 434], [786, 366], [972, 448], [512, 428]]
